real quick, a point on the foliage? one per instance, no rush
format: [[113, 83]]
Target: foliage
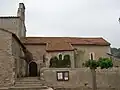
[[53, 62], [91, 63], [59, 62], [66, 61], [102, 63], [105, 63]]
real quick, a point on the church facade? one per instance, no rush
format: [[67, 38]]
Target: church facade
[[22, 56]]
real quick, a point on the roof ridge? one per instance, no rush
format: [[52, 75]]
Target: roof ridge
[[63, 37], [9, 17]]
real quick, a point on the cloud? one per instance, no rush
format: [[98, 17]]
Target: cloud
[[69, 17]]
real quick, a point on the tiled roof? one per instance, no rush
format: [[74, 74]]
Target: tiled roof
[[64, 43], [59, 46]]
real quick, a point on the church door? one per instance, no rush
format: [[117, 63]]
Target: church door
[[33, 69]]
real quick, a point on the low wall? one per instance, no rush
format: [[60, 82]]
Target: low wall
[[107, 79]]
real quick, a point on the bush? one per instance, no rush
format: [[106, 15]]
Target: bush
[[53, 62], [66, 61], [59, 63], [105, 63], [91, 63], [102, 63]]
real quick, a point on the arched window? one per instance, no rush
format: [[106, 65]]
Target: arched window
[[44, 58], [92, 55]]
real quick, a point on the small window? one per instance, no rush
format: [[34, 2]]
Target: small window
[[43, 58], [92, 55], [60, 56]]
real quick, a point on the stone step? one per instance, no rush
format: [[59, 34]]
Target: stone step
[[28, 84], [29, 88], [19, 82], [28, 79]]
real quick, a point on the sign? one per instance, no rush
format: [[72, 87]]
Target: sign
[[62, 75]]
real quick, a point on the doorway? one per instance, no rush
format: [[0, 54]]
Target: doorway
[[33, 69]]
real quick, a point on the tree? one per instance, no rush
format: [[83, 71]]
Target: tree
[[105, 63], [93, 64]]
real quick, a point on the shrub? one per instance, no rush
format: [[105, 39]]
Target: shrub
[[102, 63], [53, 62], [91, 63], [66, 61], [105, 63]]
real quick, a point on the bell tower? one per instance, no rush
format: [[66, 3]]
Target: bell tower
[[21, 11]]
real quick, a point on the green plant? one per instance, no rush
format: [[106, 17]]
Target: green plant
[[53, 62], [105, 63], [66, 61], [91, 63]]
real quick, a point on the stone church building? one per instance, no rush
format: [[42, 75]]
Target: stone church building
[[22, 56]]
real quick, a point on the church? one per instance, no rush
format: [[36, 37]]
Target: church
[[22, 56]]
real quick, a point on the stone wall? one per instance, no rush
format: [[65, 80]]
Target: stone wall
[[11, 24], [81, 78], [37, 51], [14, 25], [6, 59], [20, 64]]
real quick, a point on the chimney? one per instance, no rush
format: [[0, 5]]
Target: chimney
[[21, 11]]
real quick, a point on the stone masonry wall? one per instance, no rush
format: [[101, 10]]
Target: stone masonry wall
[[80, 78], [37, 51], [11, 24], [14, 25], [20, 64], [6, 59]]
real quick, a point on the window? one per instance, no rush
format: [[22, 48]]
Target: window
[[62, 75], [43, 58], [60, 56], [92, 55]]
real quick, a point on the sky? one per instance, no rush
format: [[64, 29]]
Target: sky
[[69, 18]]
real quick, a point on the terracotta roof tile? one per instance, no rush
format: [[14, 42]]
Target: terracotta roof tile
[[64, 43], [59, 46]]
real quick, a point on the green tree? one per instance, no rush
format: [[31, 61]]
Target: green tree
[[105, 63], [93, 64]]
